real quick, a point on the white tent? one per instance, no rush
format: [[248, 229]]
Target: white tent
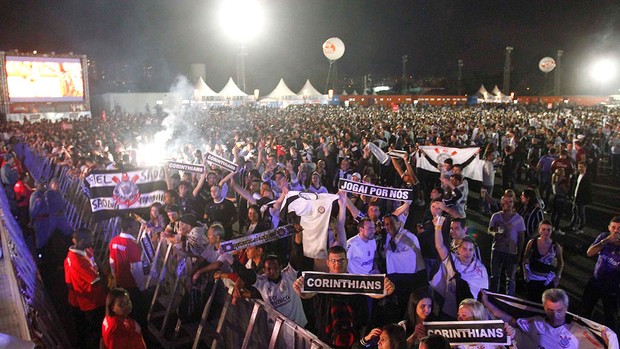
[[281, 92], [231, 90], [500, 97], [497, 92], [309, 91], [203, 91], [354, 93], [482, 93], [496, 96], [344, 93]]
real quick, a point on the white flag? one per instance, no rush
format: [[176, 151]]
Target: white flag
[[467, 157]]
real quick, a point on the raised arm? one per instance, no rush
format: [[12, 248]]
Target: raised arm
[[355, 212], [498, 313], [201, 182], [397, 166], [404, 208], [341, 235], [167, 175], [244, 193], [414, 178], [442, 250], [226, 179]]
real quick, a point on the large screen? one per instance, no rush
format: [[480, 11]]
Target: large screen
[[44, 79]]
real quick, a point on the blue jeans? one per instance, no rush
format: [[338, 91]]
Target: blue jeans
[[508, 263]]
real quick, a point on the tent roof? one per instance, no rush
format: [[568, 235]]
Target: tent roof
[[497, 92], [482, 92], [308, 90], [203, 89], [355, 93], [344, 93], [231, 90], [281, 90]]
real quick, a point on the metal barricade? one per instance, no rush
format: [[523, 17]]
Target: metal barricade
[[221, 322], [261, 325], [38, 309]]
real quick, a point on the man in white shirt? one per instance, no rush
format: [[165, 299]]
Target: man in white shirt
[[361, 249], [555, 329], [404, 261]]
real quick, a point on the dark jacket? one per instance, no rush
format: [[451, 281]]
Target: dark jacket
[[584, 192]]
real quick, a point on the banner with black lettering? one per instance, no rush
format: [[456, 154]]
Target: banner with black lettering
[[180, 166], [257, 239], [370, 284], [221, 162], [587, 333], [432, 156], [115, 192], [147, 248], [489, 332], [388, 193]]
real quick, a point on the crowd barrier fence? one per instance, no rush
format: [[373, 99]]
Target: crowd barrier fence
[[38, 320], [221, 323]]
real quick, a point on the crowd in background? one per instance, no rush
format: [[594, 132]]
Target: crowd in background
[[420, 245]]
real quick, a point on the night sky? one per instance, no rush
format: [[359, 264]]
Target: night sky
[[434, 34]]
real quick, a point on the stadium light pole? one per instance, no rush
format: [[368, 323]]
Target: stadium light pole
[[507, 70], [241, 20], [604, 72]]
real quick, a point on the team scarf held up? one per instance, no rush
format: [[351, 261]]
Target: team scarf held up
[[388, 193], [221, 162], [114, 192], [467, 157], [180, 166], [520, 308]]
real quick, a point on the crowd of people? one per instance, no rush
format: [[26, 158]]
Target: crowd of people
[[432, 264]]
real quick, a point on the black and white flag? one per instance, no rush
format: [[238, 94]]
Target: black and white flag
[[115, 192]]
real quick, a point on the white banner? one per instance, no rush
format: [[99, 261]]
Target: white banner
[[111, 178], [467, 157]]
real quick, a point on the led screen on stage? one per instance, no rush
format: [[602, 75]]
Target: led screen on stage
[[44, 79]]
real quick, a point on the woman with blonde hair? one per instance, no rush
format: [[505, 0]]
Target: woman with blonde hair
[[472, 310]]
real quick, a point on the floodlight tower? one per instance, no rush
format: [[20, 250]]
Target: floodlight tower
[[507, 70], [558, 74], [242, 20], [459, 77], [404, 78]]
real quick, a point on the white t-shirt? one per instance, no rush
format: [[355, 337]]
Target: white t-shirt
[[536, 332], [407, 258], [361, 255], [315, 221], [211, 255], [282, 296], [443, 282]]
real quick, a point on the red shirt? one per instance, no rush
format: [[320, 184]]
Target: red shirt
[[581, 155], [86, 291], [121, 333], [22, 194], [124, 250], [562, 163]]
